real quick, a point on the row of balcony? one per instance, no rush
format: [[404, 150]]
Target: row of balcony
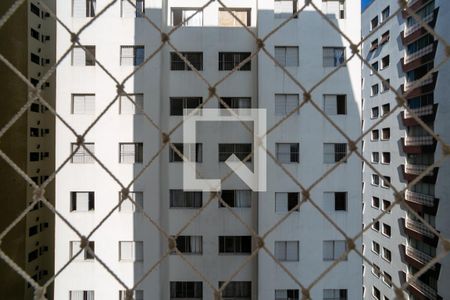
[[418, 83], [421, 111], [419, 198], [419, 227], [423, 288], [411, 29], [426, 140]]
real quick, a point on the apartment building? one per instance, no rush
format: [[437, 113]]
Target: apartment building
[[399, 244], [215, 243], [28, 43]]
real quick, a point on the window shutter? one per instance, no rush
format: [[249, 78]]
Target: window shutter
[[78, 104], [89, 104], [292, 56], [138, 251], [339, 248], [90, 295], [280, 55], [126, 250], [126, 55], [281, 202], [280, 104], [328, 201], [280, 250], [327, 250], [328, 153], [83, 201], [330, 104], [291, 102], [79, 9], [292, 250], [78, 57]]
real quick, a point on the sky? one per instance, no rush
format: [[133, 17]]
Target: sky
[[364, 3]]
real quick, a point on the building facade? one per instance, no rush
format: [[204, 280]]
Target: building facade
[[399, 244], [215, 243]]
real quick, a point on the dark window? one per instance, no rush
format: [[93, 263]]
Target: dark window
[[34, 81], [34, 34], [240, 150], [235, 244], [33, 230], [236, 102], [35, 10], [33, 255], [34, 132], [236, 198], [34, 156], [374, 23], [340, 201], [178, 64], [35, 58], [230, 60], [340, 151], [292, 201], [341, 104], [186, 289], [189, 244], [188, 153], [76, 199], [237, 290], [181, 199], [177, 105], [34, 106]]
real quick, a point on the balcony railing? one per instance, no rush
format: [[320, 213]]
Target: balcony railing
[[417, 169], [423, 288], [411, 2], [413, 28], [425, 140], [418, 255], [423, 81], [421, 111], [422, 52], [419, 198], [419, 227]]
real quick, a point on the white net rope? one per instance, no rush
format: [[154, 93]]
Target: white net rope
[[165, 41]]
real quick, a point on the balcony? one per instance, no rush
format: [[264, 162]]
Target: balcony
[[419, 227], [421, 111], [410, 30], [417, 169], [418, 255], [419, 198], [418, 83], [426, 140], [422, 52], [422, 288]]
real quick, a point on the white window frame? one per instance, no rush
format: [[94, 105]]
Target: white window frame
[[82, 156], [287, 56], [286, 103], [131, 153], [135, 249], [335, 252], [83, 104], [288, 251]]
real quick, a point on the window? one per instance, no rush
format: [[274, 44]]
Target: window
[[385, 37], [83, 104], [186, 290], [386, 108], [334, 294], [81, 295], [187, 17], [336, 201], [192, 152], [334, 152], [385, 14], [126, 107], [375, 179], [236, 198], [385, 133], [35, 10], [333, 56], [190, 244], [237, 290], [376, 292], [284, 8], [288, 152], [130, 11], [373, 45], [374, 67], [33, 230], [226, 19], [131, 251], [376, 225], [181, 199], [385, 61], [240, 150], [131, 55], [387, 254], [131, 153], [235, 244], [376, 247], [81, 156], [375, 157], [387, 279], [285, 103], [285, 202], [374, 90], [137, 295], [83, 8], [83, 56], [127, 205], [376, 202], [35, 58], [375, 112], [82, 201], [84, 254], [386, 158], [387, 230], [287, 56], [334, 8], [374, 23], [194, 58], [386, 205], [229, 60], [236, 102], [375, 135], [335, 104], [333, 250], [287, 250], [286, 295], [33, 255], [34, 156], [178, 104]]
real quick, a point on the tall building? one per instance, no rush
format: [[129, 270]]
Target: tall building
[[28, 43], [127, 240], [402, 50]]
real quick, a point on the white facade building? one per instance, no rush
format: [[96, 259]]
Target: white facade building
[[215, 242]]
